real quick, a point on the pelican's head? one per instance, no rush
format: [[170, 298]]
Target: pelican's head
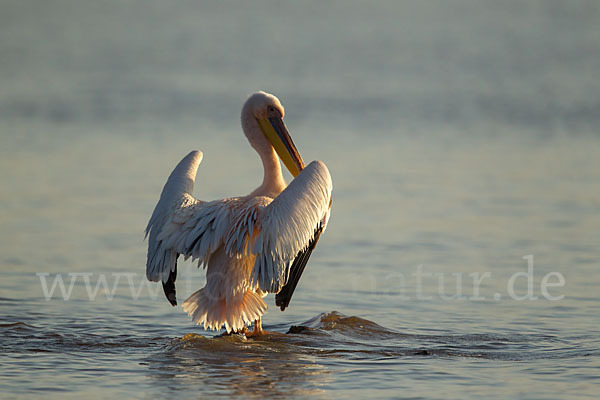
[[262, 121]]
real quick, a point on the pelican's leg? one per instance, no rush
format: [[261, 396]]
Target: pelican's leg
[[257, 327]]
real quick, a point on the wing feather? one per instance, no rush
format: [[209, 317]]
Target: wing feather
[[161, 259], [288, 224], [181, 224], [283, 297]]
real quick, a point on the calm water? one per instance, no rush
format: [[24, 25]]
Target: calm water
[[461, 137]]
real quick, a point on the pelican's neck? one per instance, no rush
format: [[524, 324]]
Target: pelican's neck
[[273, 182]]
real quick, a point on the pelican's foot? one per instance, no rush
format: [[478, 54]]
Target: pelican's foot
[[238, 332], [257, 331]]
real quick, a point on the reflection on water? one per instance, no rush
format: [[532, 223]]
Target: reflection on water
[[234, 365]]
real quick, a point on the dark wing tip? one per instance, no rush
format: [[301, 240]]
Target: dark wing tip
[[282, 299], [169, 287]]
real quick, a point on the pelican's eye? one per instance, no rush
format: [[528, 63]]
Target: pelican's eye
[[273, 112]]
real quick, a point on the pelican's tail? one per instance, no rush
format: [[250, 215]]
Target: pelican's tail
[[235, 313]]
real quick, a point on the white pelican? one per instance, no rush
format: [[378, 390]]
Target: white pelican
[[251, 245]]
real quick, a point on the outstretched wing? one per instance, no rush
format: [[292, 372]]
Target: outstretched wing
[[177, 191], [288, 225], [180, 224]]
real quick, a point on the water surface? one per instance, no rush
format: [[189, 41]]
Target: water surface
[[461, 138]]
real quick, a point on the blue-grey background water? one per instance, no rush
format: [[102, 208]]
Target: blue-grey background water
[[462, 136]]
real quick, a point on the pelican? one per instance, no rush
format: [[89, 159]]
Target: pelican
[[249, 245]]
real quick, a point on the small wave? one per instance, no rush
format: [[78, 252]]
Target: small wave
[[330, 335], [19, 324], [8, 300], [352, 326]]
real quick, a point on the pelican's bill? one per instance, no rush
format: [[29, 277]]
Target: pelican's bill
[[276, 132]]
